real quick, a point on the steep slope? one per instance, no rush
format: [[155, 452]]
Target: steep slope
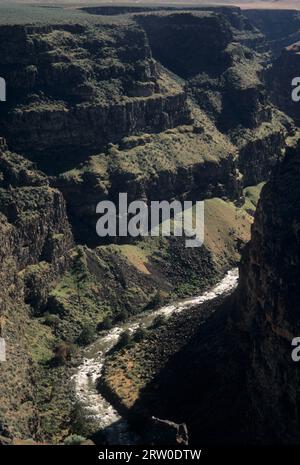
[[91, 106], [235, 381], [268, 306], [280, 77], [91, 113], [224, 78], [280, 27], [59, 77], [193, 161], [34, 232], [76, 85]]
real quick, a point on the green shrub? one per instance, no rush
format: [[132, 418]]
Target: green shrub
[[63, 353], [125, 340], [122, 316], [140, 334], [158, 321], [106, 324], [155, 302], [80, 421], [86, 336], [51, 320], [79, 424], [73, 440]]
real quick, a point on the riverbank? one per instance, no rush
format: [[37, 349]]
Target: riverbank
[[107, 386]]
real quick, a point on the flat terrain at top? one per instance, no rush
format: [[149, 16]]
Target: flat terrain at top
[[35, 14], [276, 4], [272, 5], [65, 11]]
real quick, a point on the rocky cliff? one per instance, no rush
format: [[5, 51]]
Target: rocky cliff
[[280, 27], [280, 77], [30, 209], [192, 161], [90, 113], [94, 110], [267, 312], [121, 121], [78, 88], [235, 380], [225, 79]]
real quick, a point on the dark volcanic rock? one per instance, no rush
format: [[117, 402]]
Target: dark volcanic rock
[[280, 77], [235, 381], [268, 306], [280, 27], [181, 163], [76, 87], [94, 110], [179, 41], [224, 77], [34, 234], [166, 432]]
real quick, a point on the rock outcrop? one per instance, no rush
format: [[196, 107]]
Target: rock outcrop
[[91, 106], [74, 88], [268, 314], [179, 41], [34, 232], [165, 105], [223, 77], [166, 432], [280, 79], [280, 27], [235, 380], [193, 161]]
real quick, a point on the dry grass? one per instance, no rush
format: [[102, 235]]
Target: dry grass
[[136, 257], [224, 225], [272, 5]]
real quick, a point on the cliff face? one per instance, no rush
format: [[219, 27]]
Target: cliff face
[[92, 113], [96, 112], [15, 375], [280, 76], [178, 41], [98, 116], [75, 86], [91, 106], [243, 30], [224, 78], [193, 160], [268, 313], [280, 27], [261, 147], [234, 380], [201, 48], [34, 231]]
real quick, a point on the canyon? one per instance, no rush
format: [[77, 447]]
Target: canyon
[[161, 104]]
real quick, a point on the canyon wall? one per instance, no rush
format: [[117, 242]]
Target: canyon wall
[[235, 381], [280, 77], [34, 233], [75, 88], [280, 27], [225, 80], [163, 106], [96, 112], [268, 300], [90, 113]]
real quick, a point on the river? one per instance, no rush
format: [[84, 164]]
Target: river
[[105, 416]]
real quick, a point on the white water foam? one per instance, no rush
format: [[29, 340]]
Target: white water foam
[[106, 417]]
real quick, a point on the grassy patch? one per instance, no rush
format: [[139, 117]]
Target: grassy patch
[[252, 194], [226, 229], [35, 14], [40, 341]]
